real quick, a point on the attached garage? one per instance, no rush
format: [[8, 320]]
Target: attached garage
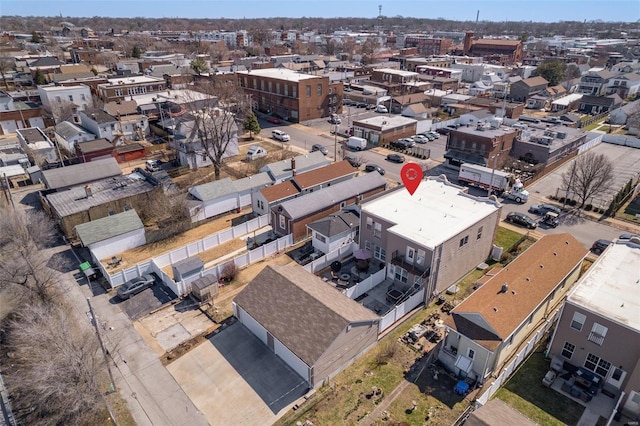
[[314, 329]]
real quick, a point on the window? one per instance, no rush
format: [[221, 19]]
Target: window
[[83, 97], [308, 91], [127, 207], [464, 241], [342, 204], [400, 274], [278, 88], [270, 87], [112, 212], [286, 90], [262, 85], [617, 373], [70, 98], [282, 222], [380, 253], [479, 233], [567, 350], [367, 245], [143, 89], [377, 229], [598, 333], [319, 90], [410, 254], [294, 91], [118, 92], [471, 353], [597, 365], [417, 281], [420, 257], [578, 321], [321, 238]]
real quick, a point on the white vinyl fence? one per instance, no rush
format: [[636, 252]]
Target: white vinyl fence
[[401, 310], [326, 260], [519, 358], [588, 145], [365, 285]]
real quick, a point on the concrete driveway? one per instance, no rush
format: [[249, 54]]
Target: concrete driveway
[[146, 301], [234, 379]]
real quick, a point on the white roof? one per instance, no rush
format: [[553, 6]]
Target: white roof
[[178, 96], [281, 73], [397, 72], [566, 100], [385, 122], [63, 88], [134, 79], [437, 211], [610, 287]]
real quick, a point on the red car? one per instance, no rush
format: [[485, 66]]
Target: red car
[[273, 120]]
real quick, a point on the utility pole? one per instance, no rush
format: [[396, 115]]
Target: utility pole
[[335, 143], [495, 162], [112, 388]]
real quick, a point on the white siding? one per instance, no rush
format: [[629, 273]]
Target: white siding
[[245, 198], [115, 245], [292, 360], [221, 205], [254, 326]]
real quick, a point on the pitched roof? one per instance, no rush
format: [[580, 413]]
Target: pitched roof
[[318, 200], [79, 174], [491, 315], [66, 130], [534, 81], [323, 174], [99, 116], [278, 192], [300, 310], [121, 107], [304, 162], [219, 188], [108, 227], [335, 224], [47, 61], [496, 42], [94, 145]]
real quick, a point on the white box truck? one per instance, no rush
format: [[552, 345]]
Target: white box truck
[[356, 143], [481, 177]]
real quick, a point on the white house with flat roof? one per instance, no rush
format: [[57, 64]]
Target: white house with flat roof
[[431, 238], [56, 98], [599, 325]]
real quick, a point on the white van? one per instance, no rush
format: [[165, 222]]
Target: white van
[[281, 136], [256, 152], [382, 109], [356, 143]]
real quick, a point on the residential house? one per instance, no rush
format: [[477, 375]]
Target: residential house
[[99, 199], [225, 195], [37, 145], [382, 129], [117, 89], [400, 103], [285, 169], [522, 90], [188, 142], [68, 134], [595, 82], [11, 153], [625, 85], [334, 231], [293, 96], [57, 99], [292, 216], [80, 174], [595, 105], [415, 111], [112, 234], [19, 114], [484, 331], [99, 123], [300, 184], [499, 107], [599, 325], [454, 234], [315, 330], [548, 145], [94, 150], [121, 108], [480, 145], [544, 99], [47, 65], [392, 80], [621, 115], [566, 103]]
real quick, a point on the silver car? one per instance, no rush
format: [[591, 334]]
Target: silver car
[[135, 286]]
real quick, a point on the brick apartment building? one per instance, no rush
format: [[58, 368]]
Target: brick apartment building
[[426, 45], [119, 88], [481, 144], [291, 95]]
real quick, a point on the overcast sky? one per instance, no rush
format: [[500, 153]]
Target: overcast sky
[[462, 10]]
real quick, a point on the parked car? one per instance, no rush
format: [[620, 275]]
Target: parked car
[[382, 109], [335, 120], [521, 219], [421, 139], [551, 219], [273, 120], [153, 165], [317, 147], [395, 158], [135, 286], [625, 236], [371, 106], [600, 245], [281, 136], [433, 134], [347, 102], [353, 161], [374, 167], [543, 209], [403, 143], [361, 105]]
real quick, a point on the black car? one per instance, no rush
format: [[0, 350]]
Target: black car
[[402, 143], [135, 286], [395, 158], [353, 161], [374, 167], [543, 209], [521, 219], [599, 246], [361, 105], [321, 148]]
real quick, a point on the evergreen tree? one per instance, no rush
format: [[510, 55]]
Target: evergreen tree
[[251, 124], [136, 52], [39, 77]]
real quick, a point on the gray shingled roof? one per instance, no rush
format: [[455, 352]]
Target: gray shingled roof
[[300, 310], [67, 130], [79, 174], [99, 116], [305, 162], [335, 224], [329, 196], [259, 180], [108, 227], [219, 188]]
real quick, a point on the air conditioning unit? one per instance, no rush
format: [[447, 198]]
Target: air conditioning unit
[[561, 135]]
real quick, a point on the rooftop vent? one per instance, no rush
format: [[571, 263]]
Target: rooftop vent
[[505, 287], [495, 309]]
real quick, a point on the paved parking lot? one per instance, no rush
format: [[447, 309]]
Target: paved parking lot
[[234, 379], [145, 302]]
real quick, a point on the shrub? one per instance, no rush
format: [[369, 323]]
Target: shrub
[[572, 203], [588, 207], [562, 199], [229, 272]]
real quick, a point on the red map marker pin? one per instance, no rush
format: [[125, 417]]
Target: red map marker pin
[[411, 175]]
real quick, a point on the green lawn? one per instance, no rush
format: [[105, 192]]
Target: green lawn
[[506, 238], [526, 393]]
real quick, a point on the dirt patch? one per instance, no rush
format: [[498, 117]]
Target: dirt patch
[[213, 253], [140, 254]]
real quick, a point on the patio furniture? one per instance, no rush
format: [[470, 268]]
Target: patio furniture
[[345, 277], [549, 378], [462, 388]]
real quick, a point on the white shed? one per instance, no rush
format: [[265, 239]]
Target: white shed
[[112, 234]]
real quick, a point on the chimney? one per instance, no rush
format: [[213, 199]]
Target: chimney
[[293, 166], [468, 41], [87, 190]]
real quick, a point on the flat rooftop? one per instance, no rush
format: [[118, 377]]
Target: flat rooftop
[[434, 213], [486, 132], [280, 73], [385, 122], [611, 287], [397, 72]]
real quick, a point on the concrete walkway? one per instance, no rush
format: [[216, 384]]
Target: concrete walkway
[[588, 418], [386, 402]]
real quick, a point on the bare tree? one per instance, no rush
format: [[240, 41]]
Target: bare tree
[[55, 368], [589, 175], [23, 265]]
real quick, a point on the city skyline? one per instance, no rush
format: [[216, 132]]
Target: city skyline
[[459, 10]]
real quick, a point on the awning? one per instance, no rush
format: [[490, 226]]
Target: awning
[[463, 157], [464, 363]]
